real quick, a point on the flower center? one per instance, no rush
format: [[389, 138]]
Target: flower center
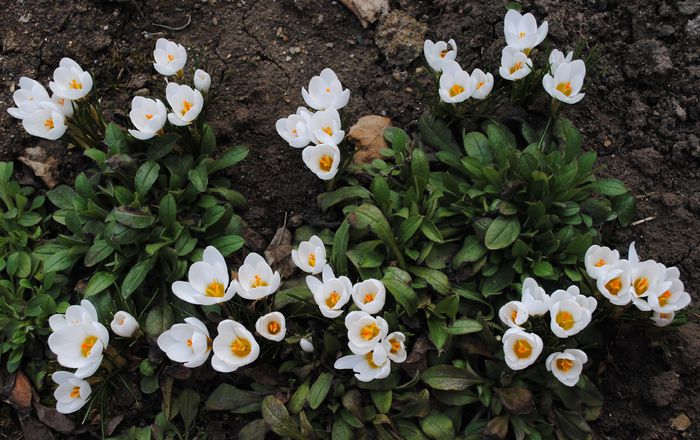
[[641, 285], [444, 53], [49, 124], [614, 285], [480, 85], [369, 297], [564, 364], [295, 132], [189, 342], [513, 315], [332, 299], [186, 106], [328, 89], [395, 346], [61, 102], [517, 66], [456, 90], [258, 282], [370, 360], [664, 315], [521, 35], [240, 347], [325, 163], [86, 346], [369, 331], [601, 263], [215, 289], [171, 57], [75, 393], [565, 88], [273, 327], [75, 85], [327, 130], [312, 259], [148, 116], [663, 299], [522, 348], [565, 320]]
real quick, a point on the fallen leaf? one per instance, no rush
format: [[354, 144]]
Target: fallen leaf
[[416, 360], [33, 430], [681, 423], [44, 166], [368, 137], [517, 400], [53, 419], [113, 423], [497, 428], [279, 253], [367, 11], [21, 395]]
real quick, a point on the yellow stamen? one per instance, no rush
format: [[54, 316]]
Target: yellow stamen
[[171, 57], [86, 346], [209, 343], [369, 297], [186, 106], [564, 364], [332, 299], [565, 88], [258, 282], [513, 315], [75, 393], [456, 90], [240, 347], [189, 342], [325, 163], [395, 346], [521, 35], [517, 66], [215, 289], [480, 85], [294, 131], [601, 263], [444, 53], [148, 116], [664, 315], [327, 130], [522, 348], [664, 298], [75, 85], [614, 285], [328, 89], [273, 327], [565, 320], [369, 331], [49, 123], [312, 259], [61, 101], [370, 360], [527, 51], [641, 285]]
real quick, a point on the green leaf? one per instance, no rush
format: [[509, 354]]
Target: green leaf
[[208, 140], [464, 326], [62, 196], [228, 244], [341, 430], [437, 426], [437, 331], [136, 276], [6, 169], [502, 232], [543, 269], [420, 170], [381, 192], [167, 210], [277, 418], [565, 130], [339, 259], [382, 400], [367, 215], [625, 206], [408, 228], [162, 146], [437, 279], [97, 252], [229, 398], [319, 390], [19, 264], [199, 177], [132, 218], [98, 282], [146, 175], [298, 399], [472, 250], [477, 145], [255, 430], [189, 405], [230, 158], [609, 187], [116, 139], [398, 282], [158, 320], [59, 261], [450, 378], [328, 199], [436, 133], [573, 425], [431, 232]]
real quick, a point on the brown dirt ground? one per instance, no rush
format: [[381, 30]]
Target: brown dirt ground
[[640, 114]]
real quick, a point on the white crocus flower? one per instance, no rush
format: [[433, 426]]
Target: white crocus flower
[[185, 103], [70, 80], [670, 300], [272, 326], [534, 298], [65, 105], [188, 343], [325, 91], [170, 57], [521, 31], [323, 160], [307, 346], [515, 65], [615, 283], [521, 349], [648, 279], [148, 116], [295, 128], [72, 392], [599, 260], [27, 98], [455, 84], [366, 367], [255, 279], [202, 81], [80, 346], [513, 314], [310, 256], [47, 122], [662, 319], [207, 280], [565, 85], [574, 293], [395, 347], [568, 317], [483, 84], [124, 324], [556, 58], [567, 366], [85, 313], [365, 332], [332, 294], [234, 347], [369, 296], [438, 53], [324, 127]]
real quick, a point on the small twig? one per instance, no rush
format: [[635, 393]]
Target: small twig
[[189, 20], [644, 220]]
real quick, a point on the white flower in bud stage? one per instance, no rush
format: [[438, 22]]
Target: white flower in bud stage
[[513, 314], [324, 127], [565, 85], [310, 256], [365, 332], [188, 343], [521, 349], [80, 346], [672, 299], [27, 98], [395, 347], [65, 105], [234, 347], [521, 31], [570, 312], [438, 53], [556, 58], [295, 128], [662, 319], [534, 298], [332, 294], [325, 91], [148, 116], [455, 84], [70, 80], [366, 366], [369, 295], [185, 103], [207, 280], [323, 160], [72, 392], [307, 346], [615, 283], [515, 65], [170, 57], [272, 326], [483, 84], [599, 260], [47, 122], [567, 366], [202, 81], [124, 324], [255, 279]]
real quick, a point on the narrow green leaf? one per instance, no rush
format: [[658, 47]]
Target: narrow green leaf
[[98, 282], [502, 232], [319, 390], [146, 175]]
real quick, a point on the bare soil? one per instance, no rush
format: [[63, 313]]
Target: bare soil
[[640, 114]]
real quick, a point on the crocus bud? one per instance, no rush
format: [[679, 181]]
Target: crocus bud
[[306, 345], [202, 80], [124, 324]]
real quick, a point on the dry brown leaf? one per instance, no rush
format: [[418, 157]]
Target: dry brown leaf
[[279, 253], [44, 166], [517, 400], [368, 137], [367, 11], [21, 395], [681, 422], [497, 428], [53, 419]]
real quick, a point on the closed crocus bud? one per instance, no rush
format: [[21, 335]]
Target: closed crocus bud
[[234, 347], [306, 345], [324, 127], [662, 319], [27, 98], [515, 65], [148, 116], [483, 84], [255, 279], [202, 80], [565, 85], [47, 122], [185, 103], [325, 91], [521, 349], [534, 298], [439, 53], [567, 366], [521, 31], [70, 80], [456, 85], [295, 128], [272, 326], [170, 58], [72, 392], [124, 324], [323, 160], [556, 58]]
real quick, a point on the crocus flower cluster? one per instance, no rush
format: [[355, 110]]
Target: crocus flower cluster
[[570, 312], [456, 85], [649, 285], [79, 341], [323, 128], [46, 116]]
